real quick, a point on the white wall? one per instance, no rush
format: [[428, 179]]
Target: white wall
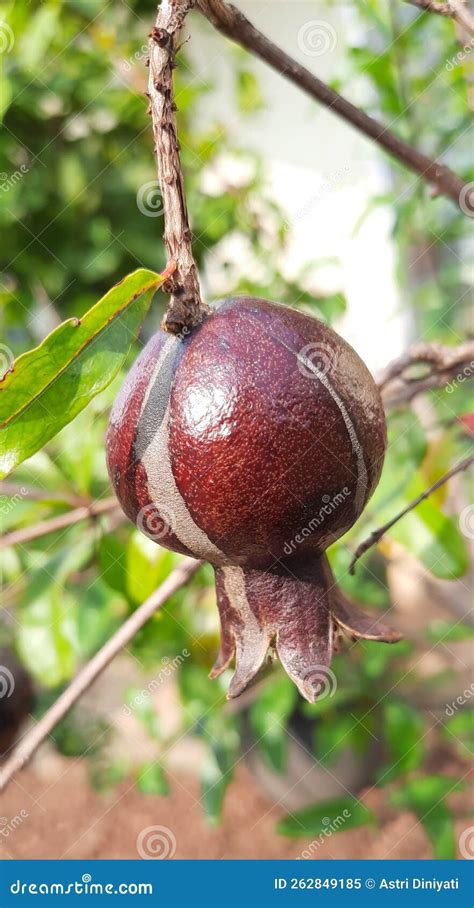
[[321, 171]]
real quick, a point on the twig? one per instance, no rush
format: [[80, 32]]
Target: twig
[[186, 308], [453, 9], [232, 23], [444, 364], [376, 535], [33, 738], [26, 534], [14, 489]]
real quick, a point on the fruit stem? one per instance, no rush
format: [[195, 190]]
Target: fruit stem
[[186, 308]]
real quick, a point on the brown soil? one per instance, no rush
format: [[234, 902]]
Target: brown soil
[[58, 815]]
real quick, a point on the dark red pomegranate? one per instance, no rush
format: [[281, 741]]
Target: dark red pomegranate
[[254, 443]]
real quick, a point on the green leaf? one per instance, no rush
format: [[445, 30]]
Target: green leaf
[[214, 784], [268, 718], [439, 827], [431, 536], [425, 797], [335, 816], [147, 565], [47, 630], [403, 728], [222, 736], [152, 780], [459, 730], [100, 612], [46, 387], [111, 554]]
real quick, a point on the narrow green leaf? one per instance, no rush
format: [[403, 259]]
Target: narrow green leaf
[[221, 733], [46, 387], [404, 731], [425, 797], [328, 816], [439, 827], [268, 718], [214, 784]]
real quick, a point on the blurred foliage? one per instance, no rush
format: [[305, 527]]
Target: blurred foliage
[[75, 150]]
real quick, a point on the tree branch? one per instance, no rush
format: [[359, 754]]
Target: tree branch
[[186, 308], [453, 9], [232, 23], [33, 738], [444, 364], [376, 535], [26, 534]]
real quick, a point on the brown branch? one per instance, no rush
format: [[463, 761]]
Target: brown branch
[[186, 308], [453, 9], [232, 23], [14, 489], [26, 534], [33, 738], [444, 365], [376, 535]]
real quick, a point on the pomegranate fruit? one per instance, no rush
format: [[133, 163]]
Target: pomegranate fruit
[[253, 443]]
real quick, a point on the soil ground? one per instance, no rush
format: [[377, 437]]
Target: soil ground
[[58, 815]]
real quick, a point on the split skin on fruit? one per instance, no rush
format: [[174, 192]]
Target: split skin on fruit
[[255, 442]]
